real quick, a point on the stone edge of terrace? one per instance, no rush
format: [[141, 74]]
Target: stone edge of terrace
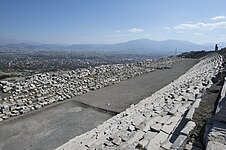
[[90, 135]]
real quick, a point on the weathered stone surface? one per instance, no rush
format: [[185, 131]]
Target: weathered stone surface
[[131, 128], [137, 136], [124, 146], [188, 128], [163, 119], [175, 108], [222, 99], [166, 144], [170, 125], [179, 143], [190, 113], [182, 109], [196, 103], [156, 127], [162, 112], [214, 145], [117, 141], [124, 136], [150, 135], [218, 132], [157, 141], [143, 143]]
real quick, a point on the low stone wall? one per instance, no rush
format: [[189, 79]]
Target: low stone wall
[[157, 122], [215, 136]]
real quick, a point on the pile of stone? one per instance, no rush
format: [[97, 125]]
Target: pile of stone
[[39, 90], [157, 122]]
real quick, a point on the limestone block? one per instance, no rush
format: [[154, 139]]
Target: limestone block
[[143, 143], [137, 136], [150, 122], [37, 106], [131, 128], [170, 125], [125, 136], [157, 141], [163, 119], [5, 117], [156, 127], [126, 146], [116, 140], [196, 103], [182, 109], [188, 128], [150, 135], [166, 144], [179, 143], [190, 113], [175, 108]]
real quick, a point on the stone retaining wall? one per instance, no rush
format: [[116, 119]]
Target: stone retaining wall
[[157, 122], [215, 131]]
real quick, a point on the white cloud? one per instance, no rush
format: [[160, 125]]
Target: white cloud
[[135, 30], [116, 35], [198, 33], [218, 17], [117, 31], [201, 25], [166, 28]]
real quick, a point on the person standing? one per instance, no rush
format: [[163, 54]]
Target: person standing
[[216, 47]]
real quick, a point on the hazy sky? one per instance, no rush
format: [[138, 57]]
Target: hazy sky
[[111, 21]]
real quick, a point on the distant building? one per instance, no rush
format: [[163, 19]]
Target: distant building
[[216, 47]]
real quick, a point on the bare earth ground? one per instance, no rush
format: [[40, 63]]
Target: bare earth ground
[[52, 126], [128, 92]]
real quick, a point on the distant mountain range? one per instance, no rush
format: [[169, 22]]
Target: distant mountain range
[[139, 46]]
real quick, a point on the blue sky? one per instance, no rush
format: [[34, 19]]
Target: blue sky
[[112, 21]]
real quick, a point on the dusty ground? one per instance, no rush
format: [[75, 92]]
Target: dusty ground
[[49, 128], [123, 94], [52, 126]]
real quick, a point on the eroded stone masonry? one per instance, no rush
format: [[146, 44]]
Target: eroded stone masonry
[[34, 92], [161, 121]]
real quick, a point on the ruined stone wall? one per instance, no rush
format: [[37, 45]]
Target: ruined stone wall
[[161, 121], [215, 131], [40, 90]]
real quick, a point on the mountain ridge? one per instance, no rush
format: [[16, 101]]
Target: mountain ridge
[[143, 46]]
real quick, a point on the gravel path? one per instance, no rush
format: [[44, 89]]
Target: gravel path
[[52, 126]]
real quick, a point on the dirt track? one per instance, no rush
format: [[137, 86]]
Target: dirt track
[[51, 127]]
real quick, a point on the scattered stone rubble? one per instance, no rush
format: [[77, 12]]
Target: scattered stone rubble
[[39, 90], [154, 122]]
